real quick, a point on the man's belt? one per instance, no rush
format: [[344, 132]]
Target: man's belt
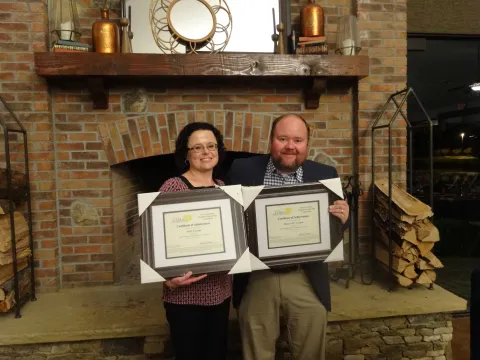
[[285, 269]]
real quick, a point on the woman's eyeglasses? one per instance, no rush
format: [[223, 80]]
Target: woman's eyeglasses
[[200, 148]]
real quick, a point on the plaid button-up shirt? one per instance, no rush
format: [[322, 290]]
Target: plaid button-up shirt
[[273, 177]]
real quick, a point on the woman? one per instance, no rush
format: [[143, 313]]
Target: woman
[[197, 307]]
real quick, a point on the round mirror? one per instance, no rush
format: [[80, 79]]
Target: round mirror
[[191, 20]]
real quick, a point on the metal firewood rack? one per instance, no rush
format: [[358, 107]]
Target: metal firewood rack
[[18, 196], [427, 123]]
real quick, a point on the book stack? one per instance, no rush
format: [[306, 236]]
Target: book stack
[[70, 46], [312, 45]]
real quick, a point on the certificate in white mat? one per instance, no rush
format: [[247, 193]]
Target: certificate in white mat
[[292, 224], [193, 233]]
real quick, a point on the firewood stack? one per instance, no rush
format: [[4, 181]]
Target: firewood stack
[[413, 236], [7, 293]]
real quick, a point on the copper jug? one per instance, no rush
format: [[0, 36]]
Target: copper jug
[[313, 20], [105, 34]]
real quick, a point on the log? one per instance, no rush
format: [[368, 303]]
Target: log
[[431, 274], [404, 232], [433, 260], [423, 265], [383, 237], [396, 212], [398, 235], [398, 264], [411, 237], [21, 230], [425, 247], [3, 296], [4, 207], [409, 256], [426, 231], [410, 272], [401, 280], [422, 228], [23, 282], [23, 251], [406, 246], [415, 251], [406, 202], [401, 252], [8, 288], [424, 279], [6, 271], [8, 303]]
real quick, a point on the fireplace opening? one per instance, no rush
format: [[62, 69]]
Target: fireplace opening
[[141, 176], [154, 171]]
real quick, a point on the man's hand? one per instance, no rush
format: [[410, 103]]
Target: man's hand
[[340, 209], [184, 280]]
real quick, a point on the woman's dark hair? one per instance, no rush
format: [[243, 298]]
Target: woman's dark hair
[[181, 145]]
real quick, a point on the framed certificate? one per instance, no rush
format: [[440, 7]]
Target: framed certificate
[[291, 224], [202, 231]]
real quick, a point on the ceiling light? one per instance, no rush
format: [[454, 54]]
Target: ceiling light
[[475, 87]]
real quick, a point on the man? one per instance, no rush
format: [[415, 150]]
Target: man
[[300, 293]]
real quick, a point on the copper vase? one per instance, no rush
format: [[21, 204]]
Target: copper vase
[[106, 34], [313, 20]]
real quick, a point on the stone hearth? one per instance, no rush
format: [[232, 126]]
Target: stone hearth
[[366, 323]]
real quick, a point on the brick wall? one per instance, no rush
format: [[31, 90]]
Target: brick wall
[[23, 30], [71, 179], [383, 30]]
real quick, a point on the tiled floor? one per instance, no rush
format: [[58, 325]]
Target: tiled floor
[[455, 276]]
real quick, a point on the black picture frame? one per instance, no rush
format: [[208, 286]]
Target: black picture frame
[[234, 237], [296, 255]]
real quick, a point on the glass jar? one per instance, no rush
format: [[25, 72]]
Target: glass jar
[[65, 20]]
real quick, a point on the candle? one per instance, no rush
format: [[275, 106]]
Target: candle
[[348, 47], [66, 30]]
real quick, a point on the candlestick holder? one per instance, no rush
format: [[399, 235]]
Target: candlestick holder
[[65, 20], [348, 38]]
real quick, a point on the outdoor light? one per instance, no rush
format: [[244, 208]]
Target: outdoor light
[[475, 87], [462, 135]]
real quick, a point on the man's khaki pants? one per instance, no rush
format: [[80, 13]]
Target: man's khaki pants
[[268, 296]]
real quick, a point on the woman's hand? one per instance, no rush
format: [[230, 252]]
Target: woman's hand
[[184, 280], [340, 209]]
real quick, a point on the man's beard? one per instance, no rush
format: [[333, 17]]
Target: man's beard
[[281, 166]]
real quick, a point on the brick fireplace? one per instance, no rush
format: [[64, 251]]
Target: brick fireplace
[[87, 165], [139, 150]]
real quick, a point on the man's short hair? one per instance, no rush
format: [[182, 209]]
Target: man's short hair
[[281, 117]]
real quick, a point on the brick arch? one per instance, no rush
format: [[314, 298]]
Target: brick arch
[[137, 137], [142, 136]]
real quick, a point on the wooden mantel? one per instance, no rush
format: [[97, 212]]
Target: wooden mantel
[[97, 68]]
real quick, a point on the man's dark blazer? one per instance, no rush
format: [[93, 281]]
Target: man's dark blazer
[[251, 172]]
